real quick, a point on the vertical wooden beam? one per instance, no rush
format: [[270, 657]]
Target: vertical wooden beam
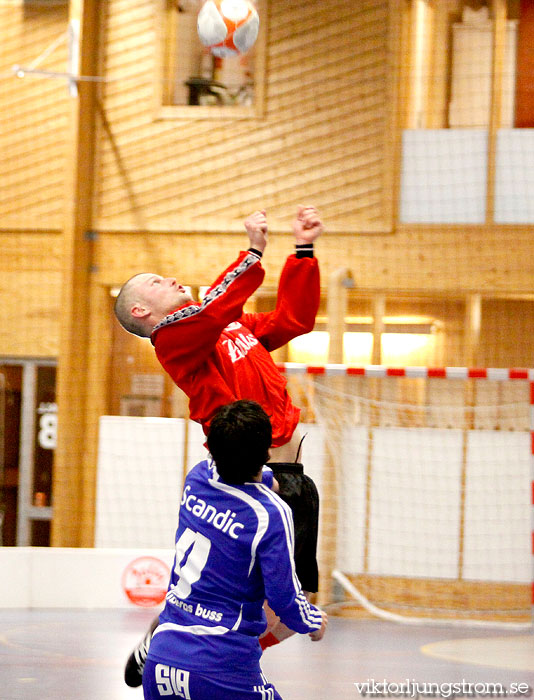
[[499, 46], [97, 399], [166, 37], [473, 318], [336, 307], [339, 283], [401, 13], [72, 378], [421, 62], [374, 395], [375, 389], [379, 311], [396, 94], [439, 83]]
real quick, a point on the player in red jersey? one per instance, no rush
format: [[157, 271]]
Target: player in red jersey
[[217, 354]]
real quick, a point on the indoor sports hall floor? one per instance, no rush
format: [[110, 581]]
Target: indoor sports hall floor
[[79, 655]]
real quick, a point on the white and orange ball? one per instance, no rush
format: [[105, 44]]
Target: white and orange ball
[[228, 27]]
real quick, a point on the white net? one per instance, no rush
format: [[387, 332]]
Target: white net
[[425, 491], [140, 477], [425, 494]]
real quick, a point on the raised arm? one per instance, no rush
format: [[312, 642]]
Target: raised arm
[[307, 226], [256, 226], [298, 289]]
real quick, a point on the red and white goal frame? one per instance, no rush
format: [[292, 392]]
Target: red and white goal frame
[[451, 373]]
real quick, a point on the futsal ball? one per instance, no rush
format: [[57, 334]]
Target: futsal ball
[[228, 27]]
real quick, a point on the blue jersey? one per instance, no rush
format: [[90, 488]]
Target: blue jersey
[[234, 549]]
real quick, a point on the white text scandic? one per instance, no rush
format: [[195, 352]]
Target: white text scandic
[[223, 521]]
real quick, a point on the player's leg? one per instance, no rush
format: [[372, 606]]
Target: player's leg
[[300, 493], [289, 452], [133, 671], [161, 680]]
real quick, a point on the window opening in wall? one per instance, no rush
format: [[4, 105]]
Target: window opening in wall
[[10, 411], [193, 77], [451, 47], [45, 433], [28, 423]]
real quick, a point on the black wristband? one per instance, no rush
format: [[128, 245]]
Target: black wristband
[[255, 251], [304, 250]]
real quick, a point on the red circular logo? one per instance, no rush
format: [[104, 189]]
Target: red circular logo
[[145, 581]]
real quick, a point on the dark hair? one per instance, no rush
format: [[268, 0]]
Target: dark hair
[[239, 439]]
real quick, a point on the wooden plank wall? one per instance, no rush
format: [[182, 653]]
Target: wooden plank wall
[[33, 133], [30, 289], [324, 138], [33, 118]]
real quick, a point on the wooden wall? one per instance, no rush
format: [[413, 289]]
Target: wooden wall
[[495, 260], [30, 290], [33, 136], [324, 136], [33, 118]]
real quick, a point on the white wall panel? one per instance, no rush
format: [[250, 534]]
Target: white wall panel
[[443, 178], [497, 507], [415, 502]]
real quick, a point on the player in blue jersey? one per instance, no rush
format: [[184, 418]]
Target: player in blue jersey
[[234, 549]]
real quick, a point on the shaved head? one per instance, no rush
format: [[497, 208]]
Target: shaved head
[[124, 302], [145, 299]]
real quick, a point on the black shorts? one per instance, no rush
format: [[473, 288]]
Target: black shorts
[[300, 493]]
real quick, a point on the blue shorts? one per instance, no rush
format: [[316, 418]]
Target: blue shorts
[[162, 681]]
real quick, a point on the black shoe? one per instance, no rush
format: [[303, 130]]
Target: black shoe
[[133, 671]]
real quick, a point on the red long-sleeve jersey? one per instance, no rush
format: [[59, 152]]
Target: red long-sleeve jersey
[[217, 354]]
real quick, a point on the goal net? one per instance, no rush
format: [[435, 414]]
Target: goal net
[[426, 485]]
